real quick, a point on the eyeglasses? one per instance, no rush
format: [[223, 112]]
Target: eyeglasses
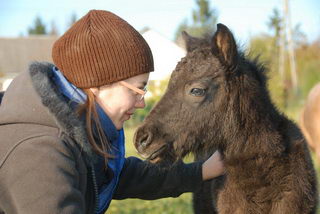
[[140, 93]]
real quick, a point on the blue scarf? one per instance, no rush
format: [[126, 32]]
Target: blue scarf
[[115, 137]]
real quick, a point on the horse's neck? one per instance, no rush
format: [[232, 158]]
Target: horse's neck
[[255, 154], [251, 142]]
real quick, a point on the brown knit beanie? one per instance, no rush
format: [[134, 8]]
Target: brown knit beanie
[[100, 49]]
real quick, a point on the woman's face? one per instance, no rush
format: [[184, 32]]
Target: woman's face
[[120, 102]]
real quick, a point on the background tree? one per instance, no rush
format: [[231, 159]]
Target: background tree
[[73, 19], [299, 37], [38, 27], [268, 45], [275, 24], [53, 29], [277, 55], [204, 20]]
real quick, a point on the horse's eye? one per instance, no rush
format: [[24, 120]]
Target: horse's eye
[[198, 92]]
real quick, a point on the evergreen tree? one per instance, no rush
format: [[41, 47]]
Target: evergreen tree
[[38, 29], [275, 23], [204, 20], [73, 19], [54, 29]]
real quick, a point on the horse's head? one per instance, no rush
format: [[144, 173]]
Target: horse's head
[[194, 114]]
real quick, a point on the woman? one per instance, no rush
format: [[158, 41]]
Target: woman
[[61, 126]]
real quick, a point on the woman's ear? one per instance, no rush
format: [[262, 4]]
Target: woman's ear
[[95, 91]]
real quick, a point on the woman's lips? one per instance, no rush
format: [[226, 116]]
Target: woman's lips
[[128, 114]]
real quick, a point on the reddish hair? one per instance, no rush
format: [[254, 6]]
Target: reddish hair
[[101, 145]]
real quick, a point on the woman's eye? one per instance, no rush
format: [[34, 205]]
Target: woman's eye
[[198, 92]]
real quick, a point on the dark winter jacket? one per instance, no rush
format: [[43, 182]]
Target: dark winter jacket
[[46, 160]]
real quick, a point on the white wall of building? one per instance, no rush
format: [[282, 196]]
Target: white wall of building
[[166, 54]]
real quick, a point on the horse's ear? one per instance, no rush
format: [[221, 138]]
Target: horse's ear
[[190, 42], [224, 46]]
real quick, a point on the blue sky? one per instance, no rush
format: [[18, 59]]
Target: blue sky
[[244, 17]]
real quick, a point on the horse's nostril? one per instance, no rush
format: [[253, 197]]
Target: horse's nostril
[[145, 141], [142, 140]]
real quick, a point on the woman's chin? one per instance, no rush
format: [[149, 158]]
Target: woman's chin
[[119, 125]]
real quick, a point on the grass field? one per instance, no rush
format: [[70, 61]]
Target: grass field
[[181, 205]]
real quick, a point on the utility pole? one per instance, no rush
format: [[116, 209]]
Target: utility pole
[[288, 30], [287, 51]]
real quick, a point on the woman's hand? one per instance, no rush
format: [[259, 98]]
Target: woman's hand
[[213, 167]]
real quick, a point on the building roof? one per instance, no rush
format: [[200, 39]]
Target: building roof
[[17, 53]]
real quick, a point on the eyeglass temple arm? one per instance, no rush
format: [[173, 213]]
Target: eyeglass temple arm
[[138, 90]]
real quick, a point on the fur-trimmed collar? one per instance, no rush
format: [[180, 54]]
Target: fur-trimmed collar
[[65, 117]]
